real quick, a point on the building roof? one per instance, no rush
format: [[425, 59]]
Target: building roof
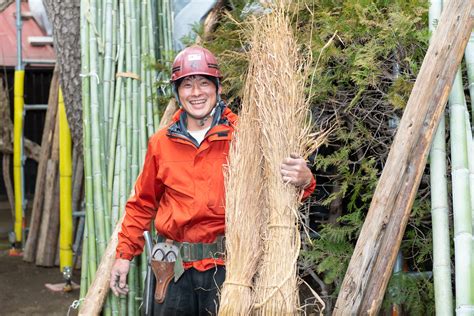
[[8, 50], [5, 3]]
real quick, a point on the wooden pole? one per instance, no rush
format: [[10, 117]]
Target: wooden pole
[[100, 286], [372, 262]]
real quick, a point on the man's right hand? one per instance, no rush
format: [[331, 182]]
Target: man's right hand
[[118, 277]]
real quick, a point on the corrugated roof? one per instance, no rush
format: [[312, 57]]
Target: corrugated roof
[[5, 3], [8, 38]]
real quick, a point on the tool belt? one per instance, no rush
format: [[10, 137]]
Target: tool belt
[[168, 257]]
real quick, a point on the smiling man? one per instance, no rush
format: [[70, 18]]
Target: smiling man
[[182, 187]]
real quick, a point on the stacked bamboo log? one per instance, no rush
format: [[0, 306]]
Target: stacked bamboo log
[[93, 294], [120, 114]]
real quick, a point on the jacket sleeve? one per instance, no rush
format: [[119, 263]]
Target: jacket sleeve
[[140, 208], [309, 189]]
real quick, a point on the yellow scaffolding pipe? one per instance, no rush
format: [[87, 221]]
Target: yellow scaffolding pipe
[[65, 191], [18, 103]]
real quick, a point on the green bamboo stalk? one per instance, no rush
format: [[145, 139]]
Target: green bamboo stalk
[[169, 30], [115, 213], [96, 144], [123, 155], [135, 52], [470, 159], [469, 56], [461, 197], [117, 100], [132, 285], [115, 35], [151, 74], [128, 88], [143, 84], [123, 305], [84, 262], [439, 205], [92, 264], [107, 309], [114, 303], [108, 62]]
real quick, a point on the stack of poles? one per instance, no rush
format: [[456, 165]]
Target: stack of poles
[[119, 114], [462, 172], [262, 279]]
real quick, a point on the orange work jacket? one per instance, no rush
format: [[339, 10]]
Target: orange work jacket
[[182, 183]]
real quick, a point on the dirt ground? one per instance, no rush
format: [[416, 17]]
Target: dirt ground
[[22, 290]]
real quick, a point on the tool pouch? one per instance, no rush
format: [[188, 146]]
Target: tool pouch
[[164, 272]]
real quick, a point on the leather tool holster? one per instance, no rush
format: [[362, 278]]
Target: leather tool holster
[[164, 272]]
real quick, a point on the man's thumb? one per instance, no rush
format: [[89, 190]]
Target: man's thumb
[[123, 280]]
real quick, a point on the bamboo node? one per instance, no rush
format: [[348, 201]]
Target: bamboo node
[[128, 75]]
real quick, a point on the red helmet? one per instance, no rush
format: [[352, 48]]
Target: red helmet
[[195, 60]]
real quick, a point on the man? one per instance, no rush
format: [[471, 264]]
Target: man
[[182, 184]]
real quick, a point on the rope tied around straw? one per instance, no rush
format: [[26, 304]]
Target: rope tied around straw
[[245, 285], [282, 283], [128, 74], [280, 226]]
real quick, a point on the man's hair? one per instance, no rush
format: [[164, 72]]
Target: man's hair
[[214, 80]]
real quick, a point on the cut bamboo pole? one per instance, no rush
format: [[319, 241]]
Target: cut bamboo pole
[[91, 266], [469, 56], [461, 197], [96, 141], [439, 204], [372, 262]]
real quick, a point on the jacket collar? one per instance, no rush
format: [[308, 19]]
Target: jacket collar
[[221, 130]]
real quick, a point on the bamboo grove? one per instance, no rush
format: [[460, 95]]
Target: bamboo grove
[[120, 41]]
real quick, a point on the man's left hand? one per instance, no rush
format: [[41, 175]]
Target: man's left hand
[[295, 171]]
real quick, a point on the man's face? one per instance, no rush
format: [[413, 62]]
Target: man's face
[[198, 96]]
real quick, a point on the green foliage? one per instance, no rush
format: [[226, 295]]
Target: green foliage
[[365, 57], [409, 291]]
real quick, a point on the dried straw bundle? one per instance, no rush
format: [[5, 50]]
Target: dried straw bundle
[[243, 205], [282, 109]]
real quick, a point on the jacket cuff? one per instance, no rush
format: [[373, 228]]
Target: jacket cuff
[[309, 189], [122, 255]]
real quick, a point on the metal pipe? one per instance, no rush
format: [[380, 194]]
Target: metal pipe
[[65, 191], [19, 64], [40, 61], [34, 107], [18, 158]]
